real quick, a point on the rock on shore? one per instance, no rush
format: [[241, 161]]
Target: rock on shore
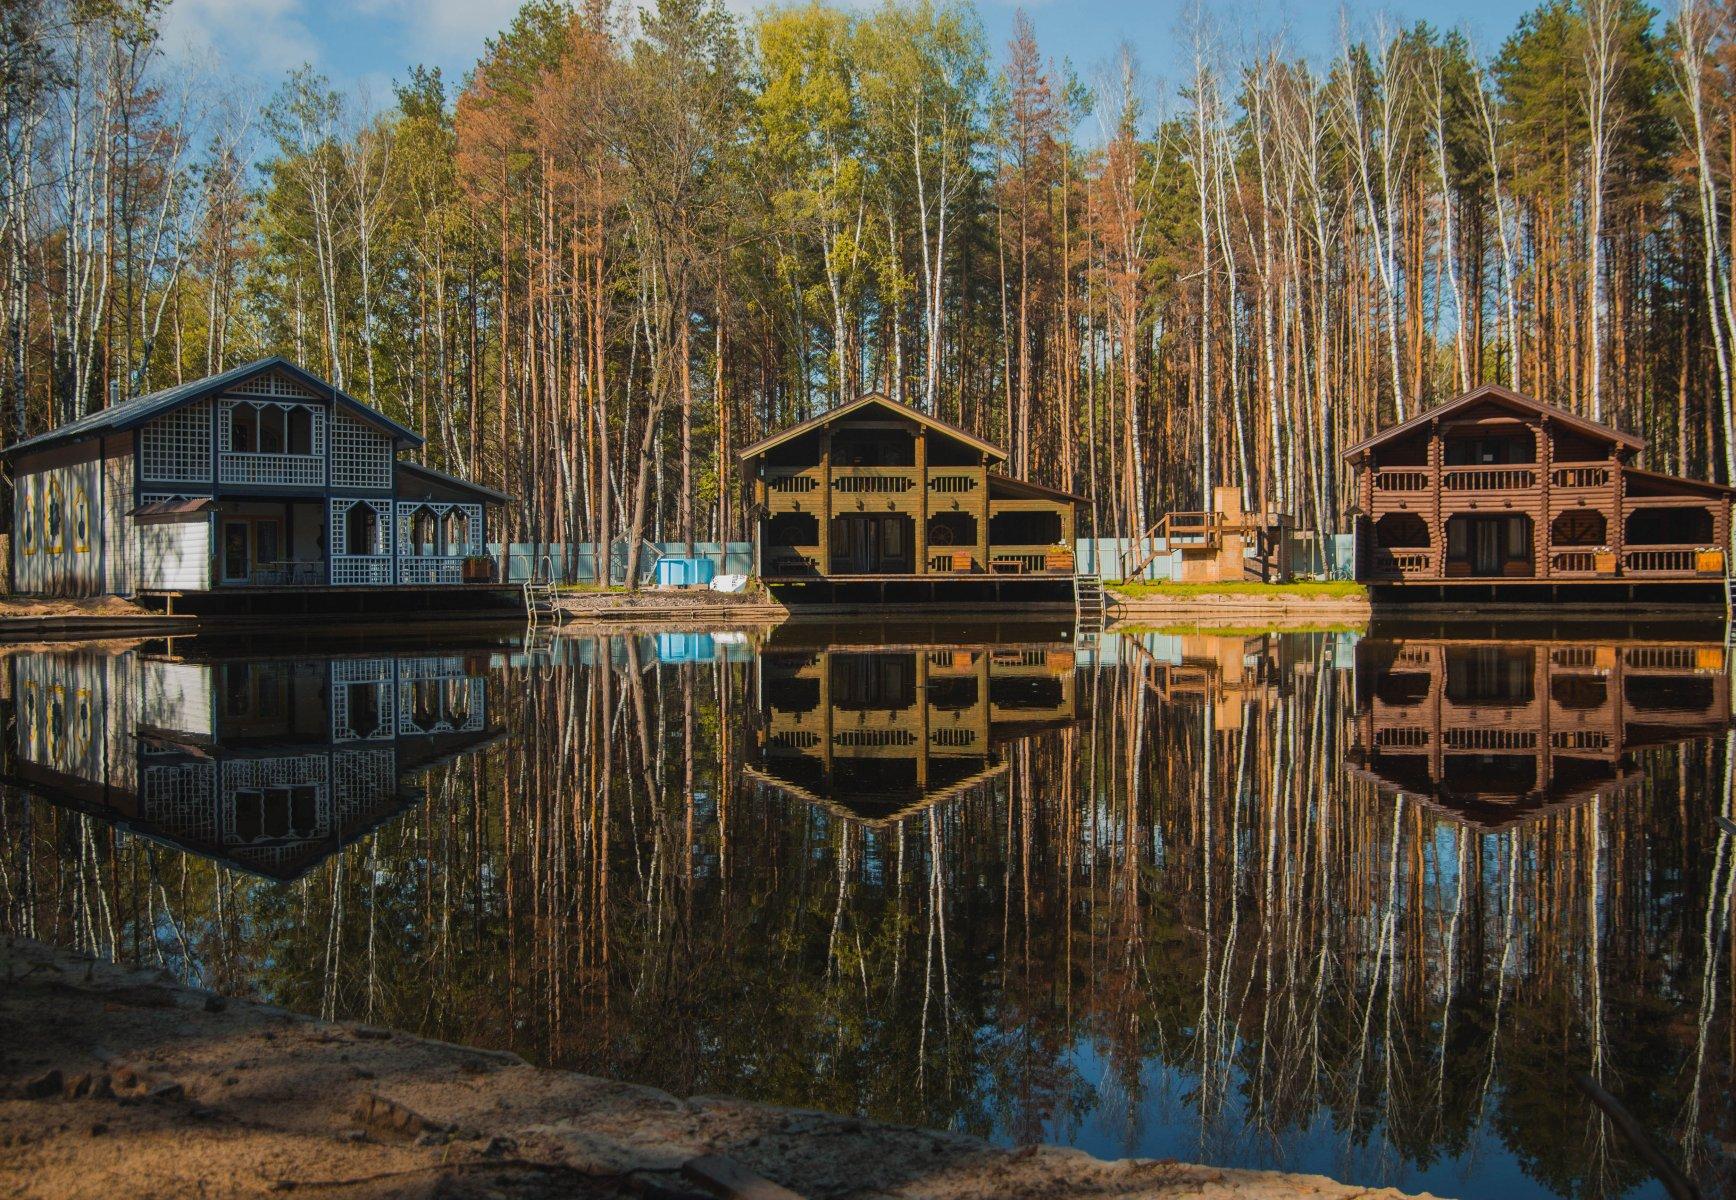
[[117, 1082]]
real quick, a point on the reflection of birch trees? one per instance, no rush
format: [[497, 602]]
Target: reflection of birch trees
[[1180, 911]]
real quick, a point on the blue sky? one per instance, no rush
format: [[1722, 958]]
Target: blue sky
[[363, 45]]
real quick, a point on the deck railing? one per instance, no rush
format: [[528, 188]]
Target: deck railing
[[1663, 560], [1401, 479], [1579, 477], [287, 470], [793, 482], [873, 480], [430, 569], [951, 484], [1406, 561], [1488, 479], [355, 569]]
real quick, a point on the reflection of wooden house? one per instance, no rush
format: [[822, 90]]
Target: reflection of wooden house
[[1497, 731], [880, 734], [1227, 670], [269, 766], [873, 490], [1496, 487]]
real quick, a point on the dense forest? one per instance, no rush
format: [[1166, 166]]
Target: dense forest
[[633, 239]]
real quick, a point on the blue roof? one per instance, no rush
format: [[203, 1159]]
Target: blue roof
[[130, 414]]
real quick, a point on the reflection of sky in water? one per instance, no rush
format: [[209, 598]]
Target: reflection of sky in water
[[972, 877]]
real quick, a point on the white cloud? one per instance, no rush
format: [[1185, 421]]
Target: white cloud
[[267, 32], [443, 30]]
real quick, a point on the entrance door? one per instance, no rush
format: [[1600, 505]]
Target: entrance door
[[1488, 546], [871, 544], [237, 552]]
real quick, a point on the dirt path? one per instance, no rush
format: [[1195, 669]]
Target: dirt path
[[115, 1082]]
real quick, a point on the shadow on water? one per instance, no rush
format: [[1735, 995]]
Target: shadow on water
[[1366, 907]]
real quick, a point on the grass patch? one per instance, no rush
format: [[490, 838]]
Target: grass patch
[[585, 589], [1331, 589]]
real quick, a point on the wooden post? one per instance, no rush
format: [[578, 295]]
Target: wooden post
[[825, 564], [982, 541], [760, 507], [1437, 484], [921, 540], [1545, 457]]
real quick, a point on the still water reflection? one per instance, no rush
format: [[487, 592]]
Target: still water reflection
[[1365, 907]]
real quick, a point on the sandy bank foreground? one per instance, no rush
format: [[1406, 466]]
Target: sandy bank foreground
[[122, 1083]]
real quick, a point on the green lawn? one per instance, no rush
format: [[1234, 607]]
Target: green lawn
[[1336, 589]]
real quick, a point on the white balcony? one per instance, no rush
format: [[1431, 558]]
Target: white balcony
[[275, 470]]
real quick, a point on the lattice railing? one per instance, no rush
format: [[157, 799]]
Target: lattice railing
[[361, 569], [301, 470], [430, 570]]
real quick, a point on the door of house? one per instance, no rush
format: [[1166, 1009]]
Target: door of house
[[237, 552], [871, 544], [248, 545]]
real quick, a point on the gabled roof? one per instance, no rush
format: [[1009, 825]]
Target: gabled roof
[[1500, 395], [487, 494], [130, 414], [892, 406]]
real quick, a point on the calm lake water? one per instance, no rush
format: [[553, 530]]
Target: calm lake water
[[1368, 907]]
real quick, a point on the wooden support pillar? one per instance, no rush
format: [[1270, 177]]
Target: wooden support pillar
[[982, 541], [1437, 519], [1545, 458], [921, 532], [825, 564]]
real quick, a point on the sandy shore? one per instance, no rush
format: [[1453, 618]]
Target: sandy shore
[[117, 1082]]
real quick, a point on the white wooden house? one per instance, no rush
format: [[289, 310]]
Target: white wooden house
[[262, 476]]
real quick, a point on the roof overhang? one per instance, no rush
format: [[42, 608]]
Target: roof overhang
[[1499, 395], [132, 414], [485, 494], [1025, 489], [844, 410]]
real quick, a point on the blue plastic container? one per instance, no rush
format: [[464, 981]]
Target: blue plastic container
[[673, 571]]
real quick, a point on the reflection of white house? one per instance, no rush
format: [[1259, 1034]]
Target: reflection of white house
[[269, 766], [261, 476]]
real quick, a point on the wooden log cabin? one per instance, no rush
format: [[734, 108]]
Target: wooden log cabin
[[875, 736], [1495, 489], [876, 492], [1493, 734]]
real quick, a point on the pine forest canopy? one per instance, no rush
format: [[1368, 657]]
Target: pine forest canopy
[[637, 239]]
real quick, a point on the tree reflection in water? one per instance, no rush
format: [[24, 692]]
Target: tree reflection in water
[[1281, 900]]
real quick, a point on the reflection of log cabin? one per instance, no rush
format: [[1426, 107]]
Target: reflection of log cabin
[[879, 735], [1496, 732], [876, 490], [267, 766], [1495, 486]]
